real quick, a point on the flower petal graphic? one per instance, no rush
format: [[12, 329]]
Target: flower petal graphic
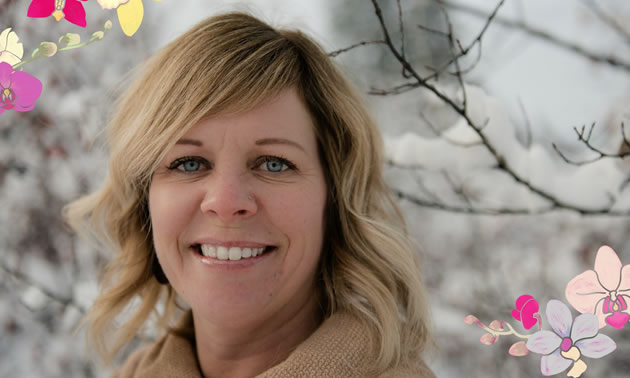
[[75, 13], [625, 278], [559, 317], [111, 4], [597, 347], [543, 342], [11, 51], [526, 307], [130, 16], [618, 320], [27, 90], [579, 367], [608, 267], [5, 75], [41, 8], [519, 349], [584, 326], [554, 364], [584, 291]]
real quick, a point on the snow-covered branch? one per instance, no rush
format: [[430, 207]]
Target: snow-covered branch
[[458, 102]]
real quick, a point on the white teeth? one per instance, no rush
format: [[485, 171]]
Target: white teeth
[[209, 251], [235, 253], [232, 253], [222, 253]]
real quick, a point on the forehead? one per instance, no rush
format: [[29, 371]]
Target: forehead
[[283, 117]]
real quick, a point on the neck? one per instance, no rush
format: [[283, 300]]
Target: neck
[[247, 352]]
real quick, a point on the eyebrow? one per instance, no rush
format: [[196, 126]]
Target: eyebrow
[[259, 142]]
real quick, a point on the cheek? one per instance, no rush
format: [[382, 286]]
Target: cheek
[[171, 210], [299, 211]]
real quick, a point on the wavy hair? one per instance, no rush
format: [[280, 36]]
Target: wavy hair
[[233, 63]]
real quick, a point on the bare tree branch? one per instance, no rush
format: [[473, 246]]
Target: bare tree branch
[[544, 36], [607, 19], [470, 210], [555, 202]]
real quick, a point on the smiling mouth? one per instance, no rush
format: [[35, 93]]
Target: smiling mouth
[[232, 253]]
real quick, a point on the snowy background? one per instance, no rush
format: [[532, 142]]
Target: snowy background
[[532, 93]]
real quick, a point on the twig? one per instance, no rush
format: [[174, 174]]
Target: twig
[[402, 37], [395, 90], [458, 189], [586, 140], [448, 140], [28, 281], [358, 44], [528, 125], [426, 190], [465, 50], [393, 164], [451, 41], [438, 32]]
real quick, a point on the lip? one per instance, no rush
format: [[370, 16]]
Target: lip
[[232, 243], [232, 264]]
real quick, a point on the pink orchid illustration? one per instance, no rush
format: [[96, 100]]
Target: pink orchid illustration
[[18, 90], [604, 292], [569, 342], [526, 311], [71, 10]]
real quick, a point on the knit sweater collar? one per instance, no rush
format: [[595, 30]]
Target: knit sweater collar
[[338, 348]]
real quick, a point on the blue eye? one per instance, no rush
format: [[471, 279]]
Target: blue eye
[[187, 164], [190, 165], [274, 164]]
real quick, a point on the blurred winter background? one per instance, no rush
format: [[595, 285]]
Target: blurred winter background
[[496, 218]]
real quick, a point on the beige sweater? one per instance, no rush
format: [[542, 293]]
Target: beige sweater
[[338, 348]]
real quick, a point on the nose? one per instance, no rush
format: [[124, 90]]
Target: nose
[[227, 197]]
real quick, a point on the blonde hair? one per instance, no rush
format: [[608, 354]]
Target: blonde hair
[[232, 63]]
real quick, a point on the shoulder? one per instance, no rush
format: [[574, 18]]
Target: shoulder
[[130, 367], [338, 348]]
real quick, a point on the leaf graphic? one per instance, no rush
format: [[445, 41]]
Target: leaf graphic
[[11, 51]]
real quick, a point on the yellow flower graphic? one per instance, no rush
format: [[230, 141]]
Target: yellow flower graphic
[[130, 13], [10, 50]]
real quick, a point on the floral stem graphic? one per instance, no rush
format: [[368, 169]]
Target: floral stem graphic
[[48, 49], [470, 319]]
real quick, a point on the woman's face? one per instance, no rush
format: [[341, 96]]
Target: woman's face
[[248, 180]]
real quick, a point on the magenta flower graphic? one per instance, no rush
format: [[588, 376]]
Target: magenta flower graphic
[[18, 90], [71, 10], [570, 341], [604, 291], [526, 311]]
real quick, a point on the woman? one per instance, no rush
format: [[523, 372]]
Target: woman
[[245, 188]]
